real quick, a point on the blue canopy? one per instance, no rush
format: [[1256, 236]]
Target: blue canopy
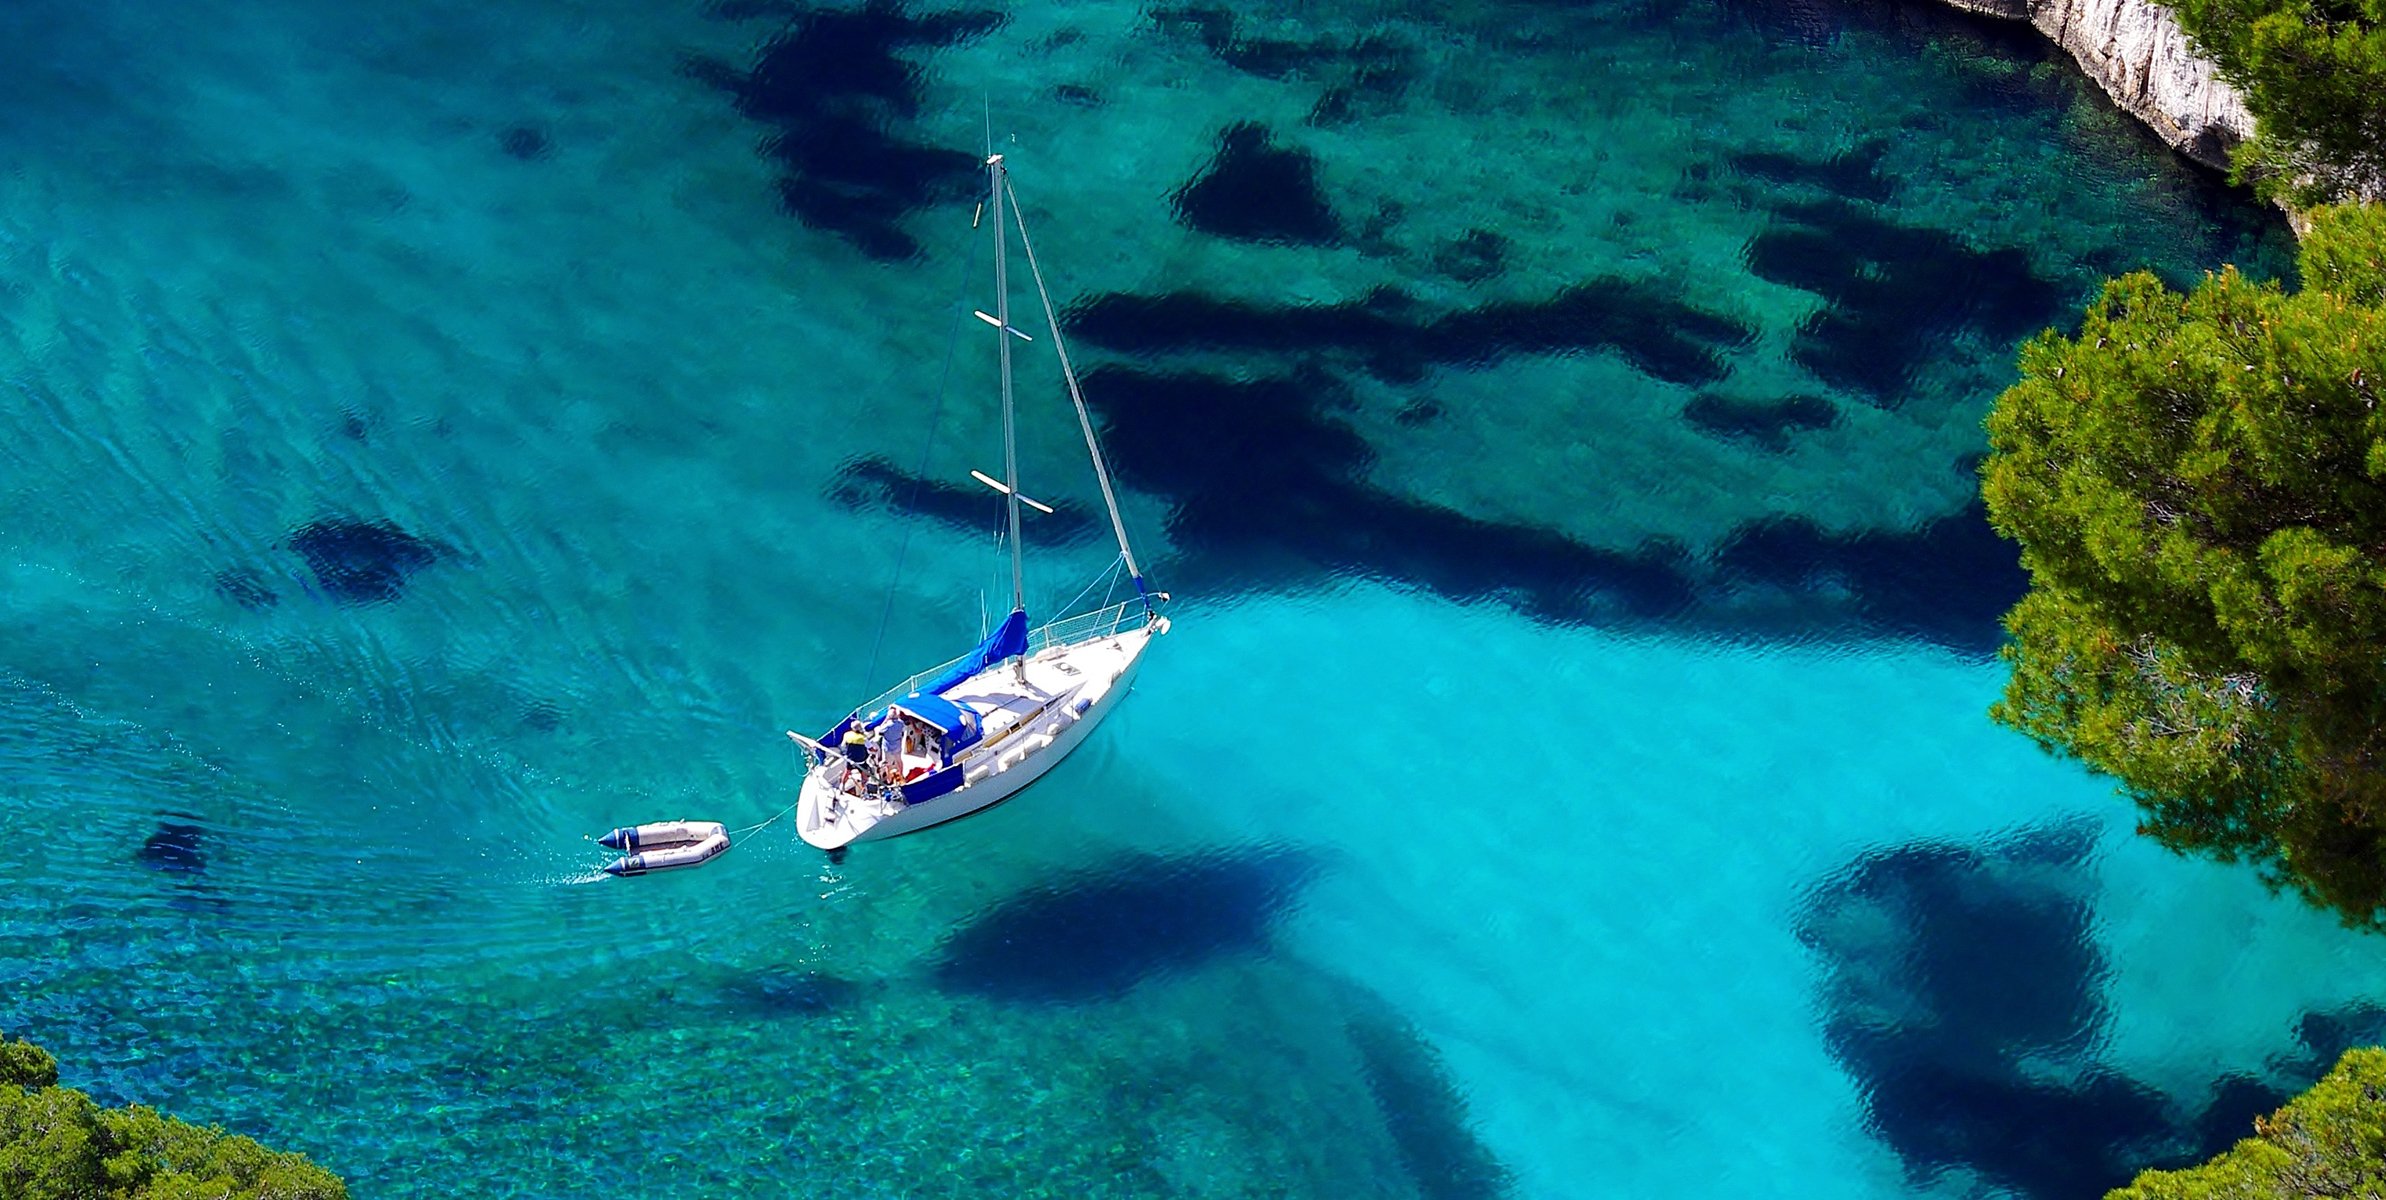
[[1004, 642], [1009, 640], [958, 725]]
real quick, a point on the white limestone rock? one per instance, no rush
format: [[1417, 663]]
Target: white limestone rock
[[2136, 51]]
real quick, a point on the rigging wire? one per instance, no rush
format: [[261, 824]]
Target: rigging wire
[[919, 475], [1110, 574], [1085, 419]]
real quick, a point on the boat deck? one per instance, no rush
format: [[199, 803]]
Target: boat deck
[[1031, 722]]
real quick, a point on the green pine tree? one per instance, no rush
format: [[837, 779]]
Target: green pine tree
[[2329, 1141], [55, 1144], [2314, 76], [2198, 483]]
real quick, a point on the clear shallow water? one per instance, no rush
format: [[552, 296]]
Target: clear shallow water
[[434, 437]]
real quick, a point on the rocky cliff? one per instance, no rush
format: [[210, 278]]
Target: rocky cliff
[[2141, 57]]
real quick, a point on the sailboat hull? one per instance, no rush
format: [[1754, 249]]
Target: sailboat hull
[[1030, 728]]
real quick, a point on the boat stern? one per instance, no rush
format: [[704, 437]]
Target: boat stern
[[825, 816]]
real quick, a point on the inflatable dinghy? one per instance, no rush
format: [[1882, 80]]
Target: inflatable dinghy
[[664, 846]]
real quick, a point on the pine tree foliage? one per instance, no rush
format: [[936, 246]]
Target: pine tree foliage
[[55, 1144], [2314, 75], [2327, 1142], [2198, 483]]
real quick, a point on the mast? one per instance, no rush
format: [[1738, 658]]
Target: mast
[[1010, 437], [1085, 419]]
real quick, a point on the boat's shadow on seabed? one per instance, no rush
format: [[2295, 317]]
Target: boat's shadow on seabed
[[1096, 934]]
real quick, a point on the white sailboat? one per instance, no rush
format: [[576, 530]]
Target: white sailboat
[[961, 737]]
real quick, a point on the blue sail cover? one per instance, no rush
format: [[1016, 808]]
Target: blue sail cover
[[1009, 640]]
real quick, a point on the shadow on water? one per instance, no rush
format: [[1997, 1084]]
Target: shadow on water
[[874, 480], [1095, 935], [1964, 993]]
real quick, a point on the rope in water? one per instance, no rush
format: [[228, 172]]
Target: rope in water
[[737, 835]]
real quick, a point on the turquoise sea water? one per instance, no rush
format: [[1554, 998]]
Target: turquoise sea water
[[434, 435]]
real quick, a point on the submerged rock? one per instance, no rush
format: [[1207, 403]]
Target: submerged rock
[[175, 847], [362, 562], [1257, 191], [845, 98], [525, 143], [876, 480], [1964, 991]]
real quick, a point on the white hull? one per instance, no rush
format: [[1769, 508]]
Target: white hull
[[1030, 727]]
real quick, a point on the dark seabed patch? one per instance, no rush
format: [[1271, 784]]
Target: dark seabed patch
[[1474, 257], [1964, 992], [748, 10], [2321, 1038], [1949, 581], [1258, 191], [542, 716], [1425, 1114], [1946, 581], [1764, 423], [1386, 333], [246, 587], [1853, 174], [873, 480], [1278, 434], [843, 98], [176, 847], [1095, 935], [791, 992], [1364, 76], [362, 562], [1896, 294], [524, 143], [1273, 439]]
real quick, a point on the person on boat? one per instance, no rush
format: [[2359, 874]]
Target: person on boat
[[886, 747], [856, 746]]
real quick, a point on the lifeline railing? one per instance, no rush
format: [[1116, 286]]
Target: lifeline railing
[[1100, 623]]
